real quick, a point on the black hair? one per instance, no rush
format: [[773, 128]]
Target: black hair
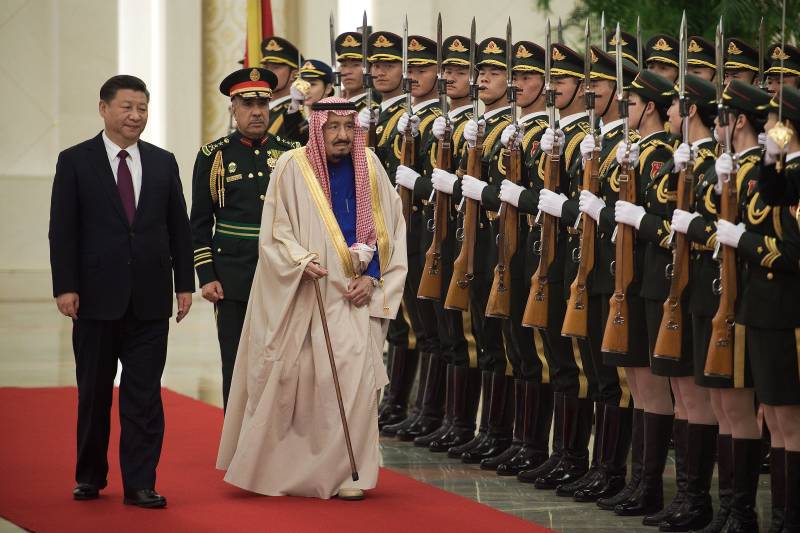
[[756, 122], [707, 116], [122, 81]]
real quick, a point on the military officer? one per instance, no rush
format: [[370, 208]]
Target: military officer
[[350, 57], [283, 59], [702, 58], [741, 61], [229, 182], [661, 56], [786, 60]]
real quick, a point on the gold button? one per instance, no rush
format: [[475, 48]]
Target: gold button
[[260, 173], [250, 175], [258, 152], [770, 275], [262, 196]]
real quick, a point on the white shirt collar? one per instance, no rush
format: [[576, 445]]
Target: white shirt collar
[[793, 155], [113, 150], [278, 101], [388, 103], [755, 148], [606, 127], [422, 105], [493, 112], [457, 111], [643, 139], [530, 116], [358, 97], [566, 121], [698, 142]]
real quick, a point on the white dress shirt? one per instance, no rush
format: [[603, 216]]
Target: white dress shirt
[[134, 161]]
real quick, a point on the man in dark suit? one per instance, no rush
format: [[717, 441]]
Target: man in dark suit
[[119, 233]]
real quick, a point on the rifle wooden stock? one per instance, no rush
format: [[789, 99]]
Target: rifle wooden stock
[[668, 342], [407, 159], [430, 286], [576, 319], [615, 337], [535, 315], [719, 361], [458, 291], [499, 304]]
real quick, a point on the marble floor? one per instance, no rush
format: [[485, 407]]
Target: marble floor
[[36, 351]]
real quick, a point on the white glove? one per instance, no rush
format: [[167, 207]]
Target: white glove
[[681, 157], [550, 138], [590, 204], [551, 203], [729, 234], [623, 146], [297, 97], [472, 187], [508, 132], [762, 138], [471, 131], [771, 151], [406, 122], [439, 127], [443, 180], [587, 147], [406, 177], [510, 192], [681, 220], [724, 169], [628, 213], [364, 118]]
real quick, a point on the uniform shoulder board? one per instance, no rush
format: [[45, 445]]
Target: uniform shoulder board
[[752, 158], [658, 143], [212, 147], [285, 143], [705, 153], [543, 123]]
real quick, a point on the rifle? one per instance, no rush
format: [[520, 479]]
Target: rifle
[[430, 286], [668, 342], [615, 337], [366, 82], [576, 319], [408, 148], [337, 76], [499, 304], [535, 315], [458, 291]]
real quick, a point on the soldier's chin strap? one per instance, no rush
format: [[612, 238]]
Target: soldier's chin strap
[[641, 116], [574, 93], [610, 99]]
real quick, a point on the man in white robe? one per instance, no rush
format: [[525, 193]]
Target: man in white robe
[[330, 214]]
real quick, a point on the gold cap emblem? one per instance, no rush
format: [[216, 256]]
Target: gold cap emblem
[[350, 42], [457, 46], [614, 41], [382, 42], [415, 46], [733, 49], [779, 54], [594, 56], [273, 46], [522, 52], [255, 75], [308, 66], [662, 45], [492, 48], [557, 55], [694, 47]]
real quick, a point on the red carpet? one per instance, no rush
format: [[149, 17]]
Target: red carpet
[[37, 448]]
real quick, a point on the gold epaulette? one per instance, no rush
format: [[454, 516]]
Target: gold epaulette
[[490, 139], [212, 147]]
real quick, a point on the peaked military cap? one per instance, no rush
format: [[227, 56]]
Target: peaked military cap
[[791, 60], [348, 46], [701, 92], [701, 52], [492, 51], [740, 56], [249, 83], [650, 86], [385, 46], [565, 62], [279, 50], [527, 57], [421, 50], [745, 97], [455, 50], [662, 48], [628, 46], [315, 69], [791, 104], [604, 67]]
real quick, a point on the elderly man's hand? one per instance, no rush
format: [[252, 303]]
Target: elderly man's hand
[[68, 304], [184, 300], [212, 291], [359, 293], [314, 271]]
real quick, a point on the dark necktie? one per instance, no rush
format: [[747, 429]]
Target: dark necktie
[[125, 186]]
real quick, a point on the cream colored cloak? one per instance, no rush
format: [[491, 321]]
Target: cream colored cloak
[[282, 433]]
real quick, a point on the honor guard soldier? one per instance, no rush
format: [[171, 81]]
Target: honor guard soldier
[[229, 184], [661, 56], [784, 59], [702, 60], [283, 59], [314, 83], [350, 58], [741, 61]]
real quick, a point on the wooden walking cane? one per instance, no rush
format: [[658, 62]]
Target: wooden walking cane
[[353, 470]]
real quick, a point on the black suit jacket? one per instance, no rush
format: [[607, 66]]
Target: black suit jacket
[[95, 252]]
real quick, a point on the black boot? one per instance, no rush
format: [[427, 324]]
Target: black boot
[[578, 428], [696, 510], [456, 450], [595, 473], [430, 418], [637, 464], [777, 485], [530, 476], [501, 420], [466, 392], [680, 439], [725, 483], [516, 438], [614, 458], [766, 449], [649, 495], [390, 430], [424, 441], [791, 521], [746, 468], [403, 370], [387, 390], [537, 421]]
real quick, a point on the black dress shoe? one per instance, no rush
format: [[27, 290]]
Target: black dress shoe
[[86, 491], [147, 498]]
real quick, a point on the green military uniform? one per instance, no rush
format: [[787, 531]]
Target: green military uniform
[[229, 183], [279, 50]]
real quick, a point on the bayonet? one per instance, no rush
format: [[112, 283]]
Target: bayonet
[[682, 66], [337, 76], [560, 32], [762, 79], [622, 102], [473, 82], [550, 97], [365, 73], [639, 53], [603, 32], [406, 80], [442, 82], [780, 133], [511, 91]]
